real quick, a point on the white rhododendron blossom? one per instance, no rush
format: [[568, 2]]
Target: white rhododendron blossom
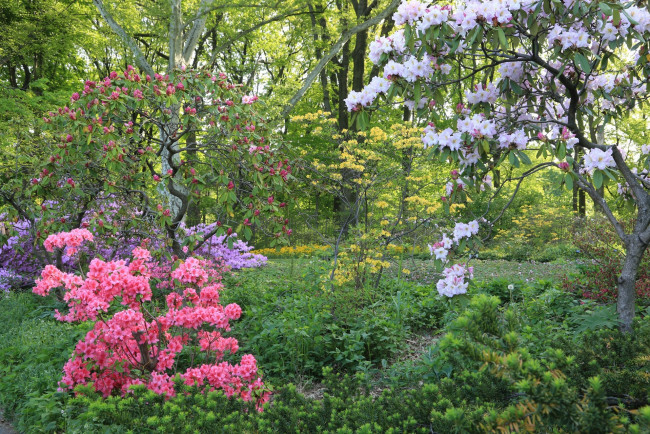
[[456, 276], [455, 281], [598, 159]]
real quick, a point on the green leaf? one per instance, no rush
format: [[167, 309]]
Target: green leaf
[[516, 88], [609, 175], [524, 158], [605, 8], [475, 33], [617, 17], [561, 151], [597, 178], [248, 233], [582, 62], [512, 158], [502, 38], [568, 180], [629, 18]]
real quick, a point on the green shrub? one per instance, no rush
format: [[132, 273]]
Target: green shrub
[[346, 406], [548, 391]]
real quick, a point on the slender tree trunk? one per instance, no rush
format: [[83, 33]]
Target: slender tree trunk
[[193, 210], [579, 200], [627, 284], [597, 134], [407, 162]]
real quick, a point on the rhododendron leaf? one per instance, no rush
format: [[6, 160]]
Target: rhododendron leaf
[[561, 151], [473, 36], [583, 62], [502, 38], [568, 179], [407, 34], [597, 178], [631, 20], [516, 88], [486, 146], [417, 94], [524, 158], [616, 17], [512, 158], [609, 175], [605, 8]]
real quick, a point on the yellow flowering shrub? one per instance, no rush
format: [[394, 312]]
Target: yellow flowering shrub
[[293, 251], [384, 178]]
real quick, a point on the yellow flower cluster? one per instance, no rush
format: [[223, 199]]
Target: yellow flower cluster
[[312, 117], [292, 251]]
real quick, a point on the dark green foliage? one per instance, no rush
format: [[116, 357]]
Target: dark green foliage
[[534, 358], [346, 406], [33, 349], [294, 327]]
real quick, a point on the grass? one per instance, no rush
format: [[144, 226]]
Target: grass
[[423, 271]]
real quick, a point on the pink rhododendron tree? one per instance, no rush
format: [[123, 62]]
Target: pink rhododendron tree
[[553, 75], [157, 146], [141, 343]]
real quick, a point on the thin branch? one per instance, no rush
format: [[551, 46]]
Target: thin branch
[[345, 37], [139, 56]]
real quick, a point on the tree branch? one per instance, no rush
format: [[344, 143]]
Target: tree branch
[[199, 25], [140, 59], [345, 37]]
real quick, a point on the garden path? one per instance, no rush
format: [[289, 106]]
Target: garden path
[[5, 426]]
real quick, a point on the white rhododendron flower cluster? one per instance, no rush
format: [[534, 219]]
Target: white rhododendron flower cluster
[[598, 159], [456, 276]]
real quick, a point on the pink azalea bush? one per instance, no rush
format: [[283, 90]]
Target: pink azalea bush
[[70, 240], [140, 343]]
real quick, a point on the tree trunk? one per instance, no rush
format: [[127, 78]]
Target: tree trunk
[[193, 210], [627, 284], [597, 134], [579, 200]]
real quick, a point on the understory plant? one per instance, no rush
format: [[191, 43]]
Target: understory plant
[[603, 252]]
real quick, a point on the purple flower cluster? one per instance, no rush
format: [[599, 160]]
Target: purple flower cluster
[[215, 247], [19, 265], [11, 280]]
